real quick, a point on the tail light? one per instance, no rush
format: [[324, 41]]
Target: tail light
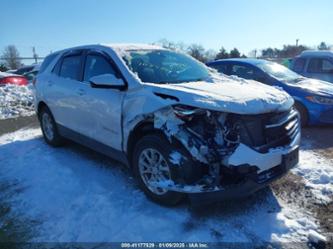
[[15, 80]]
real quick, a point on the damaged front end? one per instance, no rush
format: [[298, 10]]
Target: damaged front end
[[230, 149]]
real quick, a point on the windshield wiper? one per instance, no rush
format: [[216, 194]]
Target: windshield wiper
[[180, 81]]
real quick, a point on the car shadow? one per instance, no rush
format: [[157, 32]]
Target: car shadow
[[317, 137]]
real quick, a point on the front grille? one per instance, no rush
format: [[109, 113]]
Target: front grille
[[272, 130], [282, 131]]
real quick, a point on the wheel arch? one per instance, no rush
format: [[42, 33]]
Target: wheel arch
[[299, 104], [41, 105], [142, 129]]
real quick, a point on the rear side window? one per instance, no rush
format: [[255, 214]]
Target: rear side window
[[97, 65], [47, 62], [222, 68], [70, 67], [242, 71], [319, 65], [299, 64]]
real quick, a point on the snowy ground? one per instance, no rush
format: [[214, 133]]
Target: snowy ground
[[15, 101], [73, 194]]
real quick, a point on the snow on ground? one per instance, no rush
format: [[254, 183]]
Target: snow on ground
[[73, 195], [16, 101], [317, 173]]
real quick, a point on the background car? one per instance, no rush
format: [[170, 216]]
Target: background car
[[7, 78], [314, 64], [31, 75], [25, 69], [313, 98]]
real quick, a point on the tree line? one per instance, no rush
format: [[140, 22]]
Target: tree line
[[11, 57]]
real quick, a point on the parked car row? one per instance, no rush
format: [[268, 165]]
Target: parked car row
[[181, 127], [313, 98]]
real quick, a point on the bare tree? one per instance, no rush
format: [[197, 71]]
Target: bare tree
[[197, 51], [11, 57], [323, 46], [222, 54]]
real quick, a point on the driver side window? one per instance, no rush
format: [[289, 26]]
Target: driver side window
[[97, 65], [242, 71]]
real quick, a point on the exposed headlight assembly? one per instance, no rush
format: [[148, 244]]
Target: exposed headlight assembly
[[320, 100], [184, 111]]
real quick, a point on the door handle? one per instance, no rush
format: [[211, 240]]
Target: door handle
[[81, 92]]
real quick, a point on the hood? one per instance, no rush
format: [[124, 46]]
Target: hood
[[316, 87], [227, 94]]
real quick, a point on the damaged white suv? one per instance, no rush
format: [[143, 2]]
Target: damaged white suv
[[180, 126]]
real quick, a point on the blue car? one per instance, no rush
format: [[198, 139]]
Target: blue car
[[314, 64], [313, 98]]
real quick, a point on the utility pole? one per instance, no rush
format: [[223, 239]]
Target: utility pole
[[34, 55], [297, 42]]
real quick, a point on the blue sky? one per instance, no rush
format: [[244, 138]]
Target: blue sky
[[245, 24]]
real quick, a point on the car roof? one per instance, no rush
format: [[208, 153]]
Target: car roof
[[117, 47], [251, 61], [132, 46], [316, 53]]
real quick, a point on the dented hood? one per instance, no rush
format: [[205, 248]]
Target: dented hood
[[227, 94]]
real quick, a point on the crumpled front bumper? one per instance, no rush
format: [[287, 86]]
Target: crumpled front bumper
[[240, 190], [273, 165]]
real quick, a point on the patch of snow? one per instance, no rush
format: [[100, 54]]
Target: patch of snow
[[316, 237], [318, 87], [74, 196], [167, 121], [175, 158], [16, 101], [317, 173], [228, 94]]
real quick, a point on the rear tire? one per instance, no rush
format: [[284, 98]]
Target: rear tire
[[49, 128], [303, 113], [151, 154]]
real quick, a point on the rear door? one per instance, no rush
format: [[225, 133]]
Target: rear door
[[100, 109], [62, 89]]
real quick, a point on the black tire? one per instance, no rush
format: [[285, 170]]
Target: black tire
[[162, 145], [54, 140], [303, 114]]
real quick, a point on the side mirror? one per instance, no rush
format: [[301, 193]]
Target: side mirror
[[107, 81]]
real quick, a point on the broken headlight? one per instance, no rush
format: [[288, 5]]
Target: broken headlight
[[186, 112]]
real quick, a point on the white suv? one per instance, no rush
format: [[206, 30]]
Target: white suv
[[180, 126]]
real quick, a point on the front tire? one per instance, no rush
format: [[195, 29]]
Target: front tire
[[151, 165], [49, 128], [303, 113]]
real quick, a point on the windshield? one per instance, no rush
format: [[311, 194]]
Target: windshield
[[163, 66], [280, 72]]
